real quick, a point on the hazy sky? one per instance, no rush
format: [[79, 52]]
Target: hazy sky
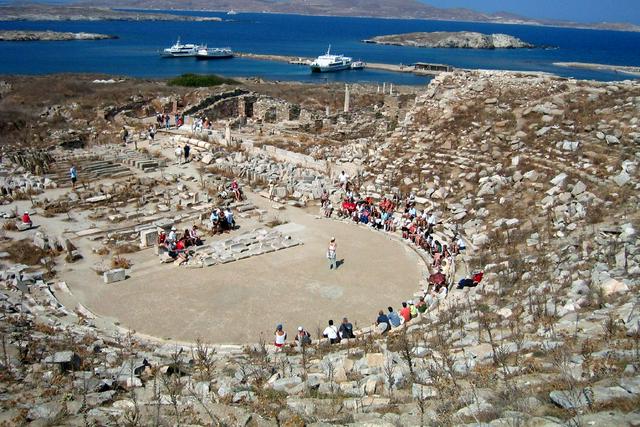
[[575, 10]]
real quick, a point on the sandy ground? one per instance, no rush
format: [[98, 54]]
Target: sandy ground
[[233, 303]]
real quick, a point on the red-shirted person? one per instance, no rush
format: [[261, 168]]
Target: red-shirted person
[[477, 277], [405, 312], [162, 238], [26, 219]]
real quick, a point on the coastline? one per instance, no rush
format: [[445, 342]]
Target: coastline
[[302, 61], [41, 13], [636, 28], [624, 69], [28, 36]]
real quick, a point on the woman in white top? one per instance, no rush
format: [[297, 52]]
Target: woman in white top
[[280, 337]]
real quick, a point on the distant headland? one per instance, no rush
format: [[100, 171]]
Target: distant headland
[[41, 12], [403, 9]]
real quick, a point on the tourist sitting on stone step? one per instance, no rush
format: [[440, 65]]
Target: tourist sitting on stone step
[[412, 309], [177, 251], [435, 295], [328, 209], [172, 237], [302, 337], [331, 332], [186, 238], [394, 318], [437, 279], [228, 215], [377, 222], [421, 305], [382, 323], [324, 197], [346, 329], [405, 312], [280, 337], [195, 237], [387, 221], [237, 192], [406, 224], [162, 238], [214, 219], [437, 259], [26, 219], [355, 216], [364, 217], [343, 179]]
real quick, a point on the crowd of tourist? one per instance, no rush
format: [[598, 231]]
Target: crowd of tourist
[[176, 244], [393, 214], [415, 226], [221, 220], [200, 124], [163, 120]]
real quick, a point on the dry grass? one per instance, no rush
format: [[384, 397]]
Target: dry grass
[[127, 248], [10, 225], [120, 262], [103, 250], [276, 221], [25, 252]]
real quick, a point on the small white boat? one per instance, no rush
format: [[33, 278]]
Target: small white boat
[[358, 65], [214, 53], [232, 12], [328, 62], [179, 50]]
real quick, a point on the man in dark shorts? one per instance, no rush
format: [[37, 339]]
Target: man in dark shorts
[[186, 149], [73, 173]]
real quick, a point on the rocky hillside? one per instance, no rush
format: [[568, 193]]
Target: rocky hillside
[[444, 39], [539, 174]]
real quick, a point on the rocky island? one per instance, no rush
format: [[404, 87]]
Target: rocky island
[[23, 36], [444, 39]]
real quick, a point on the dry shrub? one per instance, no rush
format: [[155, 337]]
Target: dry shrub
[[127, 248], [55, 208], [25, 252], [121, 262], [10, 226], [103, 250], [276, 221]]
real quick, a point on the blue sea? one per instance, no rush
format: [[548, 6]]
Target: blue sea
[[135, 52]]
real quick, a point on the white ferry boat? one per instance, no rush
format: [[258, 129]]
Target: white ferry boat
[[328, 62], [214, 53], [179, 50]]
